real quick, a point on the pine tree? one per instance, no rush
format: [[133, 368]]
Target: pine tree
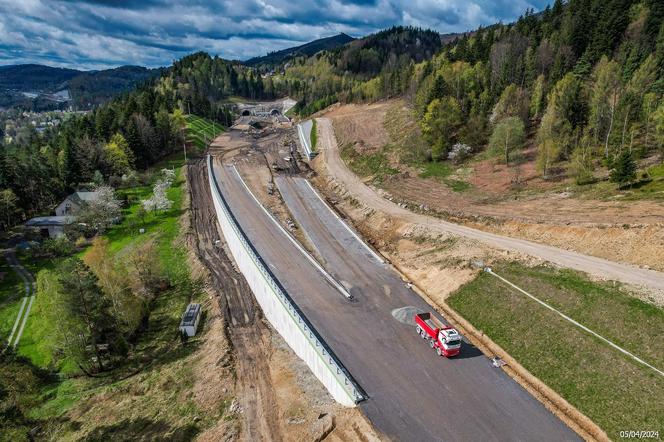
[[88, 313], [624, 170]]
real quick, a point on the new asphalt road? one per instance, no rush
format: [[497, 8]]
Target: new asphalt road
[[413, 393]]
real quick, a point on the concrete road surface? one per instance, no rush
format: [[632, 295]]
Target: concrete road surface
[[413, 393], [327, 145]]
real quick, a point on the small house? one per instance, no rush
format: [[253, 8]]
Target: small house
[[74, 202], [65, 213], [190, 320]]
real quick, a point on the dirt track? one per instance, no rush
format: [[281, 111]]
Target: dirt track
[[331, 164], [248, 334]]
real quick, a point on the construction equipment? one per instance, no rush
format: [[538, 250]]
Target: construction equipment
[[442, 338]]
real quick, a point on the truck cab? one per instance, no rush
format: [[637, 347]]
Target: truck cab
[[450, 340]]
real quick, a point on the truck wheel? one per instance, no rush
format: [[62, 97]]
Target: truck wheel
[[431, 343], [440, 353], [423, 334], [419, 330]]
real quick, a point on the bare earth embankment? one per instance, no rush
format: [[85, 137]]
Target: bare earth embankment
[[332, 166], [624, 231]]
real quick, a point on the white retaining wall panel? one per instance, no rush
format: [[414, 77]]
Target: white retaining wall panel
[[280, 312]]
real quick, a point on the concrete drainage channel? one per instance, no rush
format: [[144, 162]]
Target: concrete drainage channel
[[280, 310]]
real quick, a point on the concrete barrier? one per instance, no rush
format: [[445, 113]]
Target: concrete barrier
[[280, 309]]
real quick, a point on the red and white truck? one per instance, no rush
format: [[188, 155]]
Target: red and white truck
[[442, 338]]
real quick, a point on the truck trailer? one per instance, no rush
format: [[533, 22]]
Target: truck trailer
[[442, 338]]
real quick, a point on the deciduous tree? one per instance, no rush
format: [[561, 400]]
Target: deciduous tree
[[442, 118], [508, 135]]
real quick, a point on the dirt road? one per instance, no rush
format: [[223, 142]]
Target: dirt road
[[332, 164], [26, 304], [249, 335], [431, 400]]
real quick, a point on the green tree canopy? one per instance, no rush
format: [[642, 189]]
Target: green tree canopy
[[507, 136]]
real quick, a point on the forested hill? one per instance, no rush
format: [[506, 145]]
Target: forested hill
[[117, 139], [581, 82], [86, 88], [274, 59], [35, 77]]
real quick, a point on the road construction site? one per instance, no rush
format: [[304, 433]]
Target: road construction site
[[411, 392]]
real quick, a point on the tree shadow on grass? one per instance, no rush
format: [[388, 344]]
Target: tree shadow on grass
[[142, 429]]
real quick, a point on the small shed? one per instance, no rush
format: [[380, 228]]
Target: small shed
[[50, 226], [190, 319]]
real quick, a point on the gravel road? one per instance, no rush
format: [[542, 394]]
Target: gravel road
[[602, 268]]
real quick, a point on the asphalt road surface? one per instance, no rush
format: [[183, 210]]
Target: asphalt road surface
[[413, 393]]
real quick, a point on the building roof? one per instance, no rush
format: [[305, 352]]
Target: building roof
[[83, 196], [46, 221], [189, 317]]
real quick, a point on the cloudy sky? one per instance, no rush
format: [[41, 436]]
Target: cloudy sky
[[98, 34]]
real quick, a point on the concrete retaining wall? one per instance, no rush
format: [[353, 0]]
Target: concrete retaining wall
[[304, 134], [279, 308]]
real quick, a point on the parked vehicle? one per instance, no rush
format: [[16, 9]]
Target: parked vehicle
[[442, 338]]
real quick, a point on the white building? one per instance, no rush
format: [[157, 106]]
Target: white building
[[190, 319], [65, 213], [74, 202]]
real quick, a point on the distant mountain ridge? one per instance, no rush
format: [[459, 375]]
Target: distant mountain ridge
[[25, 84], [307, 49]]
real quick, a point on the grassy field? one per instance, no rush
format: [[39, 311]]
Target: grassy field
[[12, 292], [150, 395], [11, 295], [314, 135], [443, 171], [376, 165], [199, 129], [651, 188], [34, 342], [613, 390]]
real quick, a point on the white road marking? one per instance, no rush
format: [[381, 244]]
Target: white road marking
[[352, 232], [294, 241]]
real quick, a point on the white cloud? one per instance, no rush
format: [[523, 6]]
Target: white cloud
[[153, 32]]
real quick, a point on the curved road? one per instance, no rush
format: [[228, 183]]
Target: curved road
[[413, 393], [595, 266]]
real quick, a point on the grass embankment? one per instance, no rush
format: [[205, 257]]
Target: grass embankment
[[375, 165], [12, 292], [650, 186], [150, 395], [615, 391], [314, 135], [201, 129]]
